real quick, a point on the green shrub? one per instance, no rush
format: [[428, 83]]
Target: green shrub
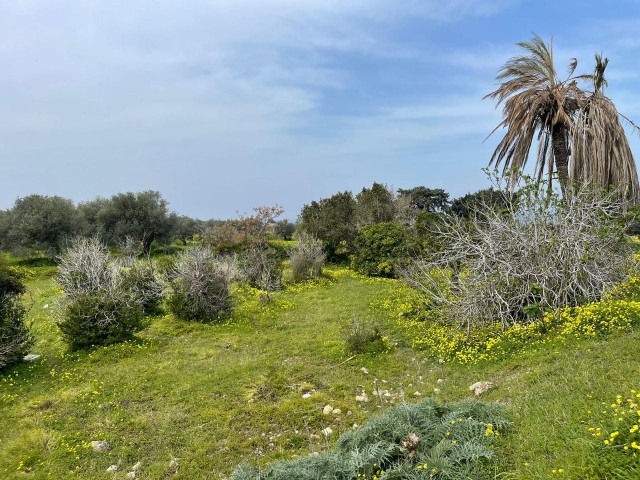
[[100, 319], [200, 284], [15, 339], [412, 441], [378, 248], [144, 282]]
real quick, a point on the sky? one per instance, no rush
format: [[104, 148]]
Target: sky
[[225, 105]]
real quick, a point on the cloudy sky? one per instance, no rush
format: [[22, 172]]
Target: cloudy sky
[[223, 105]]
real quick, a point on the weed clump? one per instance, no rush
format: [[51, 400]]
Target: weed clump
[[361, 336], [200, 285]]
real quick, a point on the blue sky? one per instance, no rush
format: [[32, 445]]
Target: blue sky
[[227, 105]]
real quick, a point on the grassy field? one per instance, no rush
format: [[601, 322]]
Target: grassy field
[[191, 401]]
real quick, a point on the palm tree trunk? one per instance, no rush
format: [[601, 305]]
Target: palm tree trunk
[[561, 154]]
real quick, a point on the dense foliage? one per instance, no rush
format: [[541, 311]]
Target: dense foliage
[[142, 216], [379, 249], [38, 223], [15, 338], [375, 205], [332, 220]]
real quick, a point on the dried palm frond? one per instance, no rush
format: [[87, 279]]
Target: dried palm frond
[[579, 133]]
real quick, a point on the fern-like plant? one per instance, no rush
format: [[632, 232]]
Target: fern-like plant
[[412, 441]]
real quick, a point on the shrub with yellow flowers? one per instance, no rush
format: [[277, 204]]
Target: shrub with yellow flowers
[[617, 311]]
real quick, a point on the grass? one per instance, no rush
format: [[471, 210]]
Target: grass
[[211, 396]]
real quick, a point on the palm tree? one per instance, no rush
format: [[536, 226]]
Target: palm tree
[[561, 116]]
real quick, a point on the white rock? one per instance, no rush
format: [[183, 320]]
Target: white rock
[[480, 387], [31, 357], [364, 370], [136, 467], [131, 475], [336, 411], [327, 409], [100, 446], [417, 394], [45, 306], [440, 380], [436, 390], [362, 398], [113, 468], [327, 431], [306, 395], [174, 461]]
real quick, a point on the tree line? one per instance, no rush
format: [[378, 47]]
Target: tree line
[[40, 223]]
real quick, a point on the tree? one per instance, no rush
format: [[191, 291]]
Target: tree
[[332, 220], [563, 117], [426, 199], [89, 216], [467, 205], [39, 222], [244, 232], [374, 205], [142, 216], [184, 227], [285, 229], [378, 249]]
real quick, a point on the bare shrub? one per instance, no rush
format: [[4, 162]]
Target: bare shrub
[[537, 254], [261, 267], [105, 297], [86, 267], [307, 258], [200, 283]]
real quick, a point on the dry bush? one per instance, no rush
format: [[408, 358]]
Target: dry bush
[[200, 283], [307, 258], [261, 267], [539, 254], [105, 297]]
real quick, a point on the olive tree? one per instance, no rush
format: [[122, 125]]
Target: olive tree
[[143, 216], [39, 223]]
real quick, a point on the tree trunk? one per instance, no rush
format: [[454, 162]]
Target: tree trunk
[[146, 245], [559, 141]]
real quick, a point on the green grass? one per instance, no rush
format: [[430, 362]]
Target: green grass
[[216, 395]]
